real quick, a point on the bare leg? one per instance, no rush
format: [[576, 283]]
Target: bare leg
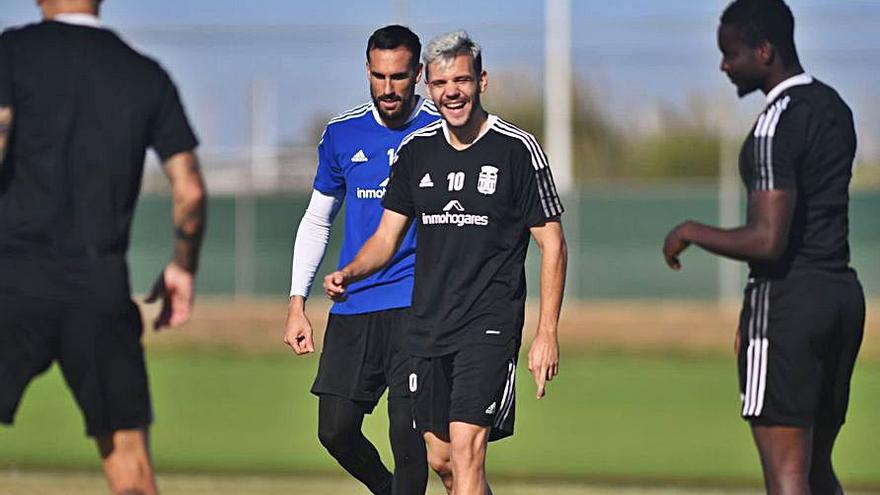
[[468, 458], [440, 458], [822, 478], [785, 458], [127, 465]]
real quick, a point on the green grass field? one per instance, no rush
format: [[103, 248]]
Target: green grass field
[[647, 419], [55, 483]]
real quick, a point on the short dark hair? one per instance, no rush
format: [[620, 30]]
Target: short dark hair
[[764, 20], [395, 36]]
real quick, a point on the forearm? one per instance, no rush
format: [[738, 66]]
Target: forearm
[[373, 255], [5, 130], [188, 211], [554, 260], [746, 243]]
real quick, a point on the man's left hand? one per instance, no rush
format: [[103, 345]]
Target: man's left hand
[[544, 360]]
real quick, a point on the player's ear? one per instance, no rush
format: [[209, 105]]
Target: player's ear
[[367, 67], [766, 53], [484, 81], [419, 72]]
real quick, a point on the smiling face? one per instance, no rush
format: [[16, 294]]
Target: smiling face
[[393, 79], [455, 88], [746, 66]]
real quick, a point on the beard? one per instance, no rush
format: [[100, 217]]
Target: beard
[[393, 114]]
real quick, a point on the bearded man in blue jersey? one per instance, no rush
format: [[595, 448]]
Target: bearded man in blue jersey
[[362, 354]]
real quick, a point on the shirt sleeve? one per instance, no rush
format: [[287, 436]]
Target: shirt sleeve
[[5, 71], [311, 241], [171, 132], [329, 179], [780, 143], [535, 192], [398, 194]]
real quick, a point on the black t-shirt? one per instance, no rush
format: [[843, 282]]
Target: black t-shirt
[[86, 107], [473, 210], [805, 141]]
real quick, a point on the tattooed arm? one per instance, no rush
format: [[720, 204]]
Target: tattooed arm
[[176, 283], [5, 130], [188, 191]]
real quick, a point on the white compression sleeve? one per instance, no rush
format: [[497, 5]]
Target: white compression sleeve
[[311, 241]]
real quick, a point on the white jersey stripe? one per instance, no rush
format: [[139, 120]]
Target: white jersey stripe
[[543, 192], [547, 190], [762, 163], [771, 133], [428, 130], [353, 113], [765, 131], [545, 177]]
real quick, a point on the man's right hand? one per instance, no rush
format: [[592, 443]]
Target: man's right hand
[[334, 285], [298, 334]]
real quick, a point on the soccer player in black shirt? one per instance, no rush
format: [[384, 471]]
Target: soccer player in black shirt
[[477, 188], [78, 109], [803, 314]]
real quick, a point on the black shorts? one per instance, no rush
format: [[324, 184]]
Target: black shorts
[[362, 356], [475, 385], [799, 340], [98, 348]]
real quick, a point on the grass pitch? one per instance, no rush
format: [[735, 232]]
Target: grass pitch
[[648, 419], [49, 483]]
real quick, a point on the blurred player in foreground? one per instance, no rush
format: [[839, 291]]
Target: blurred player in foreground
[[362, 353], [477, 188], [78, 109], [804, 311]]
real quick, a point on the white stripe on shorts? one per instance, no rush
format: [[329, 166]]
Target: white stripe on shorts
[[756, 354], [509, 394]]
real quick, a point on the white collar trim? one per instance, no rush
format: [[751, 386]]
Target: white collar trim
[[798, 80], [420, 102], [79, 19], [490, 122]]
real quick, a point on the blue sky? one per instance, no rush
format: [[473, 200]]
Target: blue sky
[[631, 53]]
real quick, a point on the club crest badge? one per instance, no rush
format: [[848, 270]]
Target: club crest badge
[[488, 179]]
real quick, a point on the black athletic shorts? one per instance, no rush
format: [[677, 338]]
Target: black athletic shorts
[[362, 356], [475, 385], [98, 348], [799, 338]]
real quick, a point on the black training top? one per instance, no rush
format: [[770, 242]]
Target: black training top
[[86, 107], [805, 141], [473, 210]]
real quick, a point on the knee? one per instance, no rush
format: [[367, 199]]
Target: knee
[[334, 437], [127, 463], [440, 464], [466, 454]]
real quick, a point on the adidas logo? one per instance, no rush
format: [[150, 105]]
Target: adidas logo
[[359, 157], [491, 409], [426, 181], [453, 205]]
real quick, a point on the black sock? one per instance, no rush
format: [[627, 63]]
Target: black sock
[[339, 429]]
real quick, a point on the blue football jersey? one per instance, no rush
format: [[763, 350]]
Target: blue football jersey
[[354, 157]]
